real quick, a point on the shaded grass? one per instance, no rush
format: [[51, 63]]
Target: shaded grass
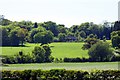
[[69, 66]]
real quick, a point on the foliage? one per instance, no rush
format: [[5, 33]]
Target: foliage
[[39, 54], [43, 37], [18, 58], [33, 32], [13, 36], [62, 37], [14, 39], [5, 22], [48, 57], [61, 74], [52, 27], [91, 40], [82, 34], [117, 26], [115, 38], [35, 25], [22, 34], [72, 60], [100, 51], [5, 37], [28, 30]]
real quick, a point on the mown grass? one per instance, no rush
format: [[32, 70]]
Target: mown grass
[[59, 50], [69, 66]]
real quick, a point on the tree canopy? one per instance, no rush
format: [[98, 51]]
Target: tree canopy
[[100, 51]]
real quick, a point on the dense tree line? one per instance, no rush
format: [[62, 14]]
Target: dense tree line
[[16, 33]]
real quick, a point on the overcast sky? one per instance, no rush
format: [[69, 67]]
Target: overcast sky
[[68, 12]]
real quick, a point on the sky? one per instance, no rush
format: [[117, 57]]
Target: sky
[[67, 12]]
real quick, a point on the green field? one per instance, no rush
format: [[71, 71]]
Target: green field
[[69, 66], [59, 50]]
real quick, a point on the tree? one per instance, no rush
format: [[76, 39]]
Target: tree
[[5, 38], [82, 34], [52, 27], [100, 51], [24, 24], [91, 40], [14, 39], [35, 31], [35, 25], [74, 28], [115, 38], [61, 37], [5, 22], [62, 29], [94, 29], [85, 27], [117, 26], [43, 37], [22, 34], [39, 54], [47, 53]]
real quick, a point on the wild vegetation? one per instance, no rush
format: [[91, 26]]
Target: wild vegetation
[[17, 33], [61, 74]]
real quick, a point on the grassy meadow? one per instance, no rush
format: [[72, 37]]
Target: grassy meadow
[[59, 50]]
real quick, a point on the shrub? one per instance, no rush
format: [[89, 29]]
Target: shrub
[[61, 74], [17, 59], [100, 51], [76, 59], [39, 54], [48, 57]]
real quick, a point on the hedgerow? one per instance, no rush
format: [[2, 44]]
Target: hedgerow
[[61, 74]]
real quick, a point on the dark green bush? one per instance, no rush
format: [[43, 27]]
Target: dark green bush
[[61, 74]]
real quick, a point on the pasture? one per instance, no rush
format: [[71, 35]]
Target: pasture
[[59, 50]]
